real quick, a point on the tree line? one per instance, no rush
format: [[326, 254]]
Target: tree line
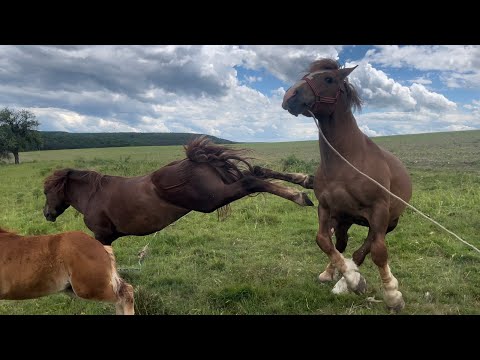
[[18, 132]]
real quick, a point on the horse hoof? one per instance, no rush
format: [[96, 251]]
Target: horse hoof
[[398, 306], [361, 287], [307, 200], [325, 277], [340, 287]]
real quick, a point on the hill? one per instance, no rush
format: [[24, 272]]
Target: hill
[[57, 140]]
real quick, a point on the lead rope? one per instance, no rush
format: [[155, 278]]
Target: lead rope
[[388, 191]]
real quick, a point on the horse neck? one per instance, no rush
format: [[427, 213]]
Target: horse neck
[[78, 193], [343, 133]]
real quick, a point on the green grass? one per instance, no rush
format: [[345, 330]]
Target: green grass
[[263, 258]]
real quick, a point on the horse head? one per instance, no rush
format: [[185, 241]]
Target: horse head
[[319, 90], [54, 190]]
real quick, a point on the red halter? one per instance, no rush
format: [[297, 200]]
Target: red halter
[[318, 98]]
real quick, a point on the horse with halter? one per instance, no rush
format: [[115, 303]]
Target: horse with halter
[[346, 198], [113, 206]]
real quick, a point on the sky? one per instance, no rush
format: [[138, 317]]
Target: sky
[[235, 91]]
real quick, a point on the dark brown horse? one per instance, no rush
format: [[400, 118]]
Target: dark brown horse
[[345, 196], [208, 179], [35, 266]]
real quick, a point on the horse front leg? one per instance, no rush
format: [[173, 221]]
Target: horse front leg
[[352, 279], [341, 236], [296, 178], [378, 227]]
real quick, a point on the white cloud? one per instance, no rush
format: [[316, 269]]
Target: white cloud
[[460, 64], [366, 130], [421, 80], [252, 79], [427, 120], [287, 62], [381, 92], [196, 89]]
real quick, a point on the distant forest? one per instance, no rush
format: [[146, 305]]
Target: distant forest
[[56, 140]]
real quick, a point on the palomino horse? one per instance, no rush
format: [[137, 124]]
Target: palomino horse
[[35, 266], [345, 197], [114, 206]]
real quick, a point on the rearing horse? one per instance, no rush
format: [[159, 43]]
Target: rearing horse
[[345, 197]]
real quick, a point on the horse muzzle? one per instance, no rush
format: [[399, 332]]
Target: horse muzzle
[[49, 216]]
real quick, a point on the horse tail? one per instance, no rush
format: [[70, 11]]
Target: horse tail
[[122, 290], [116, 280], [225, 160]]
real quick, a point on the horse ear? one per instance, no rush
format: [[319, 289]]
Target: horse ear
[[343, 73]]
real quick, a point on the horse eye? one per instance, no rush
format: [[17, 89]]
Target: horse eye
[[329, 80]]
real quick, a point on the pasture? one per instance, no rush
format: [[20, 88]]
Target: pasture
[[263, 258]]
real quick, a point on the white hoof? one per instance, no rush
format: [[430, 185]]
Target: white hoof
[[325, 276], [394, 300], [341, 287]]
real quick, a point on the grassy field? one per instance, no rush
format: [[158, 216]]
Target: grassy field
[[263, 258]]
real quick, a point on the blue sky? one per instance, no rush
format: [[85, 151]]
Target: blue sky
[[235, 91]]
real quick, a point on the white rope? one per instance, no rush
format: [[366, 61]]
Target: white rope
[[388, 191]]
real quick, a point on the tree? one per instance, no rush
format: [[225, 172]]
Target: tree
[[17, 131]]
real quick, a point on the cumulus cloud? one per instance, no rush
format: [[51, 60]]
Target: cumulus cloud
[[421, 80], [197, 89], [380, 91], [287, 63], [460, 63], [427, 120]]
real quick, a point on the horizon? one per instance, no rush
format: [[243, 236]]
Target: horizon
[[246, 142]]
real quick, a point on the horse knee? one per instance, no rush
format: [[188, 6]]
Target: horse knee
[[379, 252], [325, 243]]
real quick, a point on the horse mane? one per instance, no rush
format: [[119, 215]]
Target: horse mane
[[353, 99], [225, 160], [57, 181]]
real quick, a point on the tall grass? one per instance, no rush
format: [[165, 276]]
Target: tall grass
[[263, 258]]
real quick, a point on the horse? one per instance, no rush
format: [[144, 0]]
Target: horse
[[345, 197], [208, 179], [73, 262]]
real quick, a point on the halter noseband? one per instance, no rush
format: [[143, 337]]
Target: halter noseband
[[318, 98]]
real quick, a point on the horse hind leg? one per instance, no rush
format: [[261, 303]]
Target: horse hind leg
[[97, 280], [359, 255], [125, 299], [249, 185], [303, 180]]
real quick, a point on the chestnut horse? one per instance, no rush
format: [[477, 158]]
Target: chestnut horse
[[345, 197], [35, 266], [208, 179]]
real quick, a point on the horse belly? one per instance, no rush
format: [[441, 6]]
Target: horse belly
[[342, 204], [146, 218]]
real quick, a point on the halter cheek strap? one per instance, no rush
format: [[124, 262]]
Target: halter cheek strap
[[318, 98]]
